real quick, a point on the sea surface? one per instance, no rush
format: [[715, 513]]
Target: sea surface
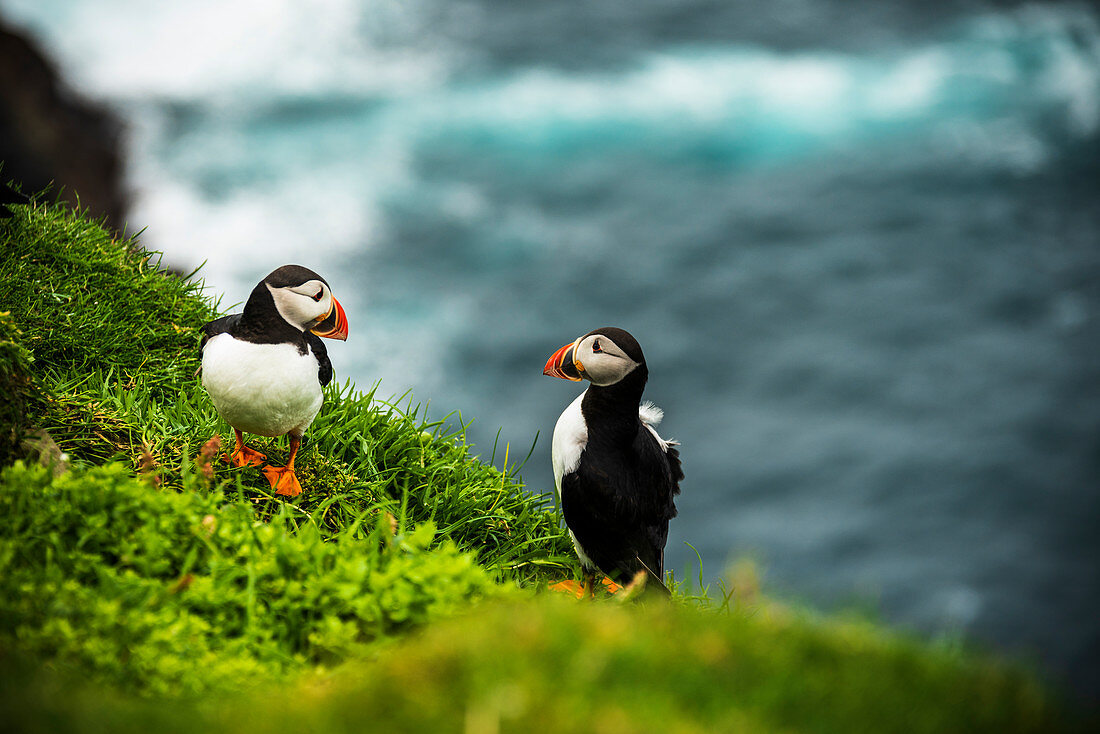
[[859, 242]]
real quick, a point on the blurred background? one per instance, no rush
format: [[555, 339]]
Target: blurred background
[[859, 242]]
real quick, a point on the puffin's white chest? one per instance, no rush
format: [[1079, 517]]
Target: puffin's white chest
[[266, 389], [570, 438]]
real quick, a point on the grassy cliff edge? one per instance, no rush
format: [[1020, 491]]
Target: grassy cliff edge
[[149, 584]]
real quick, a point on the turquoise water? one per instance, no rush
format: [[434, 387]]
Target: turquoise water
[[859, 243]]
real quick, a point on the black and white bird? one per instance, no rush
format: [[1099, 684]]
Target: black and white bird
[[264, 368], [615, 476]]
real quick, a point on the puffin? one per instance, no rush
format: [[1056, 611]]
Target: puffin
[[264, 368], [616, 478]]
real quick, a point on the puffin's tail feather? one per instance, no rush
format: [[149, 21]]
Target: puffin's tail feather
[[650, 414]]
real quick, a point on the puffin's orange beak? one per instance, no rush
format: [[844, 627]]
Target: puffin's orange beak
[[334, 325], [561, 364]]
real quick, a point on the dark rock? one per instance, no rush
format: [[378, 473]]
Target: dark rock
[[48, 133]]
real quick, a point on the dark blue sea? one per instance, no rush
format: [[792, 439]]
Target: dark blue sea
[[859, 242]]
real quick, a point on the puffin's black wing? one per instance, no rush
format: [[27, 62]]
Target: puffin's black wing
[[218, 326], [667, 487], [8, 195], [324, 366], [618, 507]]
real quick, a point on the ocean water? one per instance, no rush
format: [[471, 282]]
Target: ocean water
[[858, 241]]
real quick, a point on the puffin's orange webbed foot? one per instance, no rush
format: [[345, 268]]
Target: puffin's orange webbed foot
[[569, 587], [283, 480], [245, 456], [586, 589], [242, 455]]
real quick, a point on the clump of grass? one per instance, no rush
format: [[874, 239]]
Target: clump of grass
[[425, 466], [116, 343], [550, 665], [175, 592], [557, 666], [87, 301], [361, 452]]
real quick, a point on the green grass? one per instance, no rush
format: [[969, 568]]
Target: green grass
[[554, 665], [402, 591], [87, 301], [185, 592], [115, 343]]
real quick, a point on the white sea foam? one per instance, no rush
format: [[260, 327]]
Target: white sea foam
[[243, 49]]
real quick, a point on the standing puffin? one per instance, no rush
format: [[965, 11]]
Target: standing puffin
[[615, 476], [264, 368]]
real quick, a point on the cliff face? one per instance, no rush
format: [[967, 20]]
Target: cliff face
[[50, 134]]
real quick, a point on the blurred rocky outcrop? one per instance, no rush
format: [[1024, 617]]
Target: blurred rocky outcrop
[[48, 133]]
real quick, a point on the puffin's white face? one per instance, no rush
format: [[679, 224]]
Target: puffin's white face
[[596, 357], [305, 305], [600, 360]]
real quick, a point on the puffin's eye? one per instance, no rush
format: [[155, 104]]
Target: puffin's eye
[[596, 346], [320, 295]]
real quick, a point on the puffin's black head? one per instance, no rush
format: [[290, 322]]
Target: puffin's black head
[[602, 356], [303, 299]]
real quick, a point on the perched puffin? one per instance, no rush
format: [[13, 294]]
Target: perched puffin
[[264, 368], [615, 476]]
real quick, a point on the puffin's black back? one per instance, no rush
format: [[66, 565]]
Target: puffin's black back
[[618, 504]]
